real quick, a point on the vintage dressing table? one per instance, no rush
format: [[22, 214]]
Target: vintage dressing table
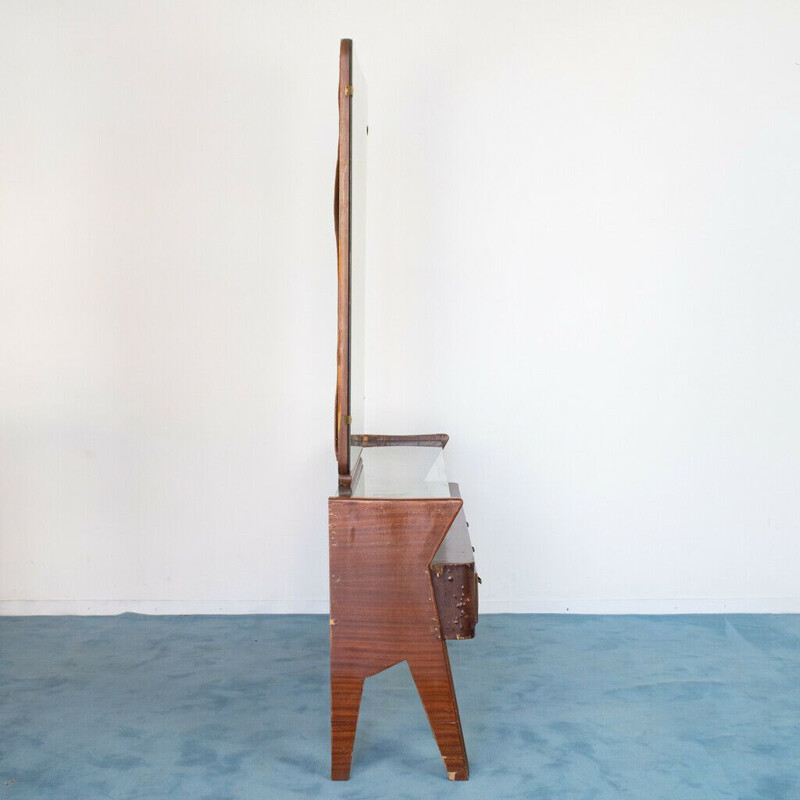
[[402, 572]]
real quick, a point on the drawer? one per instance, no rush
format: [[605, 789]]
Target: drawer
[[455, 587]]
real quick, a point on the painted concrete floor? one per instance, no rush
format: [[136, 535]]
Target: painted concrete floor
[[553, 707]]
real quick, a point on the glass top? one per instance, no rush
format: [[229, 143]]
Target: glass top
[[402, 472]]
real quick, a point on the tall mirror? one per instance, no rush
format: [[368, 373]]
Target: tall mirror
[[350, 206]]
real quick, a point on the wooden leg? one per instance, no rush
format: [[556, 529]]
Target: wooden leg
[[345, 702], [431, 673]]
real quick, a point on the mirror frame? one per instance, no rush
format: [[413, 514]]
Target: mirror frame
[[348, 473]]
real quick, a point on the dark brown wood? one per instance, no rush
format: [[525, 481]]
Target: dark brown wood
[[456, 589], [455, 582], [413, 440], [342, 221], [383, 611]]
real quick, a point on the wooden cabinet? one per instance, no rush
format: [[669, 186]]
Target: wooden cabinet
[[402, 572]]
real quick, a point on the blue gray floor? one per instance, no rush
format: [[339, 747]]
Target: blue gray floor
[[553, 707]]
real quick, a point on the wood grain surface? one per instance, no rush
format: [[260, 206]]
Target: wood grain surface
[[384, 611], [342, 224]]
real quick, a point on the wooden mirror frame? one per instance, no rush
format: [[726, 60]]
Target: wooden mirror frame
[[343, 223]]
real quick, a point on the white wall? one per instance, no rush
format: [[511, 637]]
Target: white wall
[[585, 266]]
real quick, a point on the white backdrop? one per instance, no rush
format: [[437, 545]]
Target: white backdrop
[[584, 247]]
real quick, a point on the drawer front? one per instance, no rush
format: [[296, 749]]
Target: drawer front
[[455, 587]]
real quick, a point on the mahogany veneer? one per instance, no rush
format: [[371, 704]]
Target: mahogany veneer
[[383, 611]]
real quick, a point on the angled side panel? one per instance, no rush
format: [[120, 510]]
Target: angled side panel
[[383, 611]]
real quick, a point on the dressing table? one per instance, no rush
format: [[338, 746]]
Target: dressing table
[[402, 571]]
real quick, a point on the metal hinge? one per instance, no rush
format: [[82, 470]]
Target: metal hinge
[[348, 90]]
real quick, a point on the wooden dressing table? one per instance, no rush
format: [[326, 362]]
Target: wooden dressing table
[[402, 572]]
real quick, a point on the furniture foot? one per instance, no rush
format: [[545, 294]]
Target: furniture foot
[[431, 673], [345, 703]]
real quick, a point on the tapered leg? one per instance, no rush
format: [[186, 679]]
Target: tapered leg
[[345, 703], [431, 672]]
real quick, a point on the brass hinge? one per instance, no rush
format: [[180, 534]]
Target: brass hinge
[[348, 90], [348, 419]]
